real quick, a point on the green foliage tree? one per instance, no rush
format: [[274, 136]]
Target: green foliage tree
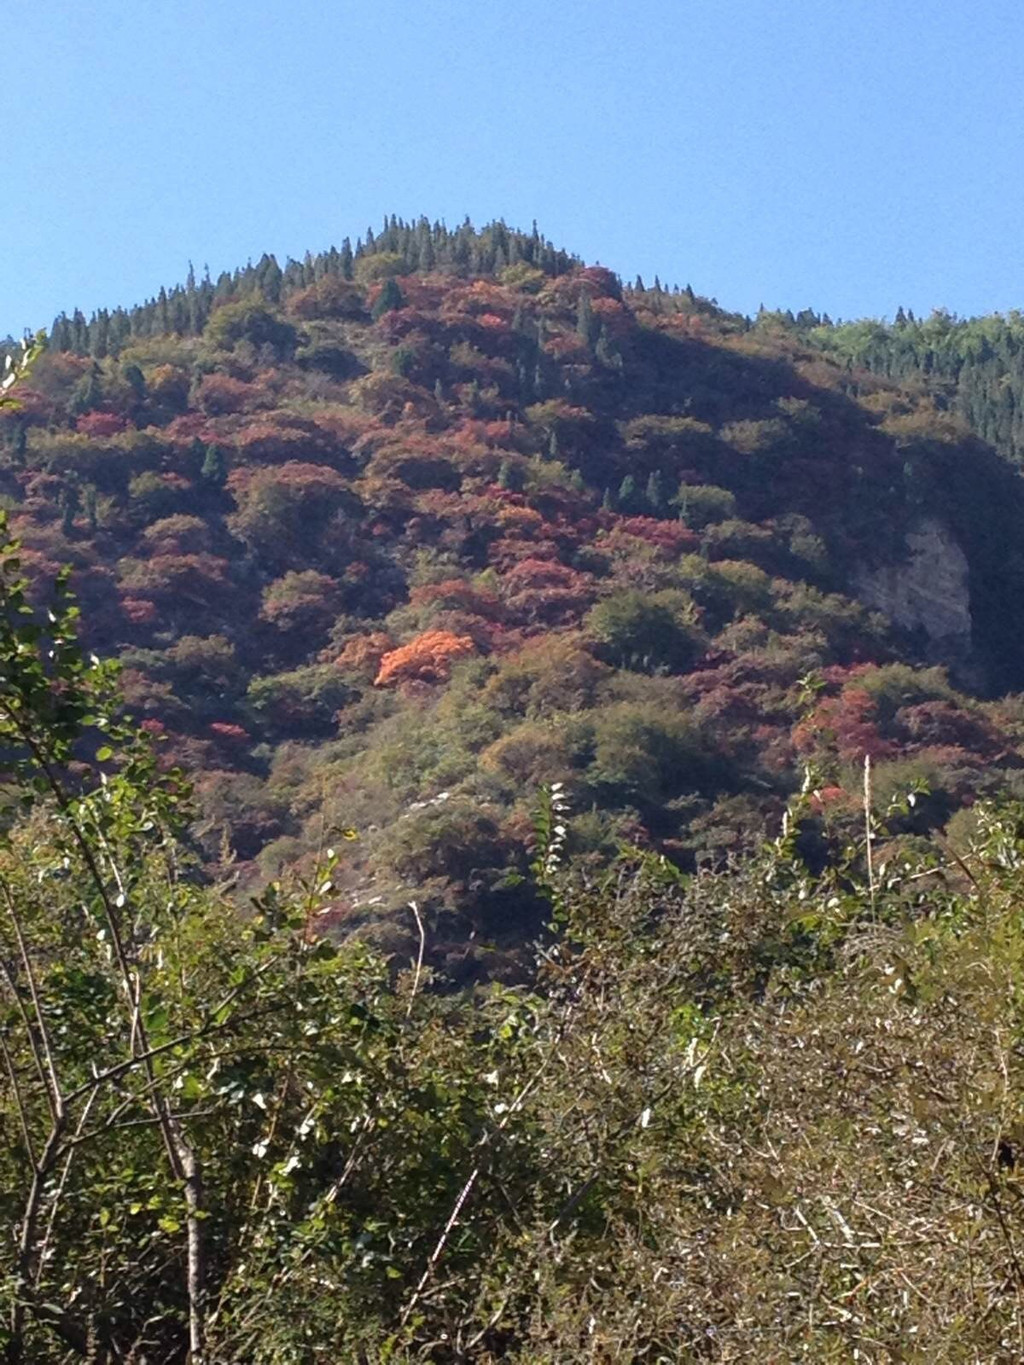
[[214, 466], [389, 299], [646, 631], [250, 321]]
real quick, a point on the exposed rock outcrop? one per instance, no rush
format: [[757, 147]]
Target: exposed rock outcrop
[[928, 591]]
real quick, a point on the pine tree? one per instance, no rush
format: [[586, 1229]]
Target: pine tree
[[586, 323], [18, 443], [88, 392], [60, 334], [70, 500], [136, 381], [627, 494], [214, 470], [389, 299], [655, 493]]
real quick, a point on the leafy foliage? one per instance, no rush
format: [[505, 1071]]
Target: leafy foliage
[[447, 511], [725, 1108]]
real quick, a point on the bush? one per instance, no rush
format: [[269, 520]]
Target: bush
[[301, 703], [646, 631], [251, 322]]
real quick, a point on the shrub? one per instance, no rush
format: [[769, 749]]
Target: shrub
[[646, 631]]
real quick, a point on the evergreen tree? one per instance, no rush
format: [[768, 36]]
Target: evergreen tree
[[214, 470], [389, 299], [18, 441], [136, 381], [90, 507], [627, 494], [655, 492], [511, 477], [88, 393], [586, 323], [69, 502]]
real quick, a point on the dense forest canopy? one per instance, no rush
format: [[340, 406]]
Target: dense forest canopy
[[757, 1112], [496, 863], [397, 534]]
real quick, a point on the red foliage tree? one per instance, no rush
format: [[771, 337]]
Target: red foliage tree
[[100, 424], [427, 658], [363, 653], [845, 723], [542, 590]]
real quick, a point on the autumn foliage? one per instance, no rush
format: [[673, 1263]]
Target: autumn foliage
[[428, 658]]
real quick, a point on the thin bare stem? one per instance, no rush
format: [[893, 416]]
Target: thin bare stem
[[419, 957], [869, 834]]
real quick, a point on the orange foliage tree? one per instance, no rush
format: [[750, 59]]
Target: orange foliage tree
[[427, 658]]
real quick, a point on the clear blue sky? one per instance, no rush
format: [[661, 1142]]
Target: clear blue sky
[[849, 155]]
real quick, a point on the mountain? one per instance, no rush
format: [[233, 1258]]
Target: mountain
[[972, 368], [392, 537], [551, 598]]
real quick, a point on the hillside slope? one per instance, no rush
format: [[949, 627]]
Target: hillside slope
[[391, 537]]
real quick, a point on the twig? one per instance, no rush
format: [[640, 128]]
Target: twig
[[868, 831], [419, 957]]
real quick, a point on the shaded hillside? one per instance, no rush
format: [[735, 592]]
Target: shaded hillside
[[392, 536], [971, 367]]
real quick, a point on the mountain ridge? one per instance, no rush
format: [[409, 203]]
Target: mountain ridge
[[397, 549]]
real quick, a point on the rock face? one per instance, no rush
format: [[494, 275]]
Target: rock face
[[927, 591]]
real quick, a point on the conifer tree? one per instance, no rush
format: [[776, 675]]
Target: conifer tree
[[214, 470], [88, 392], [627, 494], [655, 492], [389, 299], [586, 323], [89, 501], [70, 500]]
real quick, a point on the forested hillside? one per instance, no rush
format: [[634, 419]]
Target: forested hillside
[[972, 367], [541, 881], [391, 537]]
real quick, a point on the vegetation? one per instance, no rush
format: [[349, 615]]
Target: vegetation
[[757, 1113], [411, 529], [666, 1005]]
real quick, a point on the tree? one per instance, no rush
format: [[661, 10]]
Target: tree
[[427, 658], [88, 392], [627, 496], [18, 367], [214, 467], [388, 299], [250, 321], [646, 631], [587, 326], [283, 510], [655, 492]]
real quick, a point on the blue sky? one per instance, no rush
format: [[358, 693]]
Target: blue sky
[[849, 155]]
